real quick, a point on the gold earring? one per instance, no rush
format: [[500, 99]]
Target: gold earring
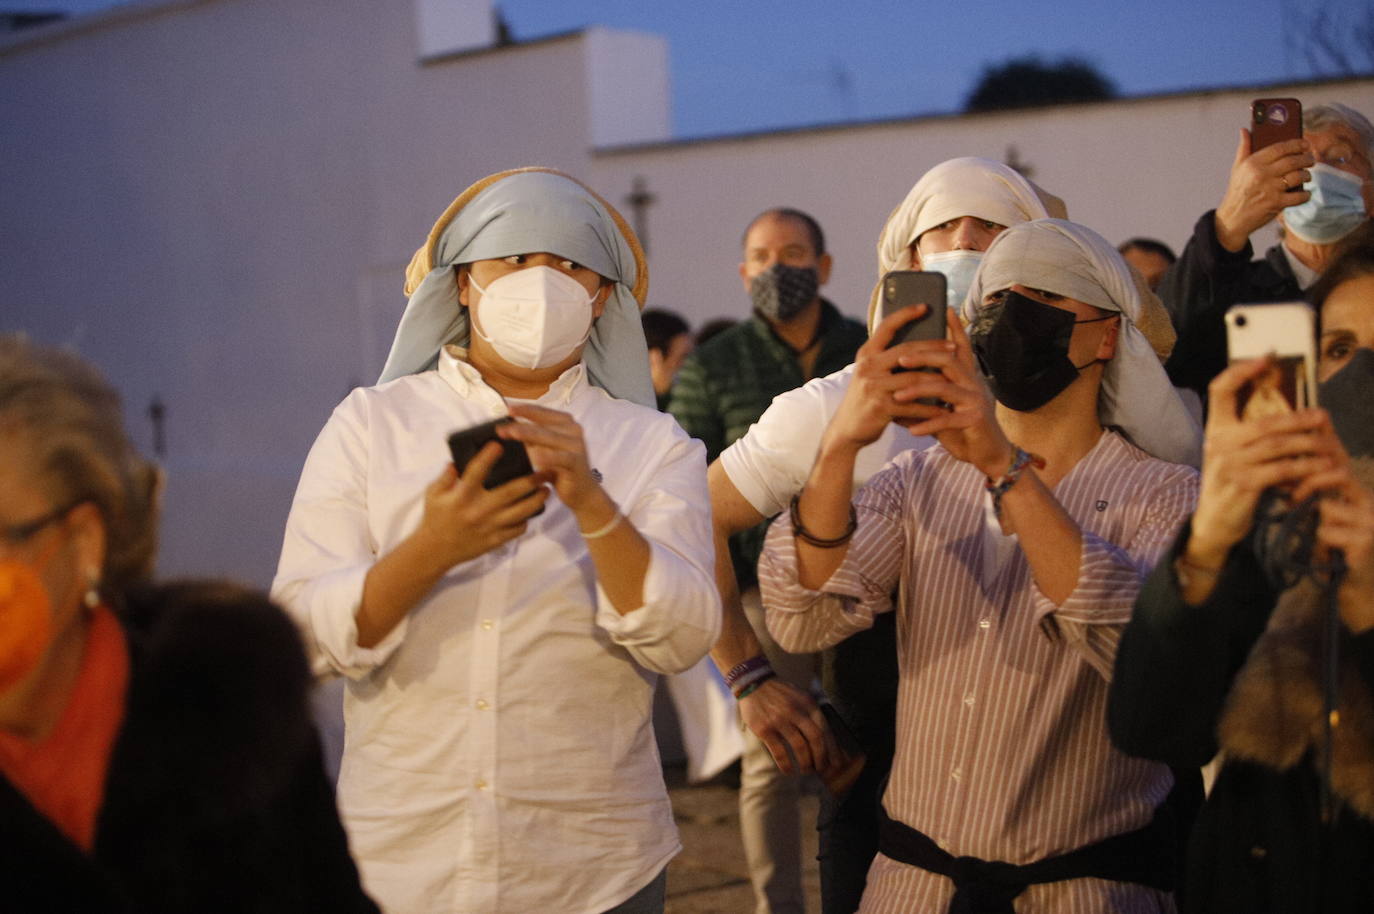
[[92, 596]]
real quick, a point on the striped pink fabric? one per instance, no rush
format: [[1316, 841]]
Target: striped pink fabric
[[1002, 748]]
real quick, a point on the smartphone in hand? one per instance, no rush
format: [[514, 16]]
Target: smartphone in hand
[[513, 463], [1287, 330], [916, 287], [1273, 120]]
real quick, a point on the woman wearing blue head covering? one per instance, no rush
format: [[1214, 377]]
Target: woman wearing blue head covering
[[501, 644]]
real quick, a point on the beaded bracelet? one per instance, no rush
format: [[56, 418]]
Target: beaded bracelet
[[820, 542], [753, 686], [744, 667], [1019, 462]]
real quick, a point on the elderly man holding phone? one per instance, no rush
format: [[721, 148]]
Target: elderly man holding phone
[[1317, 183]]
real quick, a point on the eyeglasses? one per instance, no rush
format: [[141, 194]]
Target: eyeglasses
[[18, 534]]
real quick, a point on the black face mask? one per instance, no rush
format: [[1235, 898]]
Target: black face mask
[[780, 292], [1024, 352], [1348, 395]]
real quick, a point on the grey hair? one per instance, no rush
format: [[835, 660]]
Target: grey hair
[[72, 421], [1324, 117]]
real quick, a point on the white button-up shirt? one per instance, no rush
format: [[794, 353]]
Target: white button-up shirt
[[499, 753]]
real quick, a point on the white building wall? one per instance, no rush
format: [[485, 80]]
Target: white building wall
[[215, 199], [215, 202], [1138, 167]]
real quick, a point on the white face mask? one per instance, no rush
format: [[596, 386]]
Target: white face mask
[[535, 317]]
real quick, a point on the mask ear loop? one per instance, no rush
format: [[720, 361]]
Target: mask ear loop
[[1093, 320]]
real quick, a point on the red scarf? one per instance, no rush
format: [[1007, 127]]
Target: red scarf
[[63, 773]]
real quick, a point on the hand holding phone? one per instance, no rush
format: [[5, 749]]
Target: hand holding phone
[[1273, 120], [902, 288], [513, 463], [1267, 174]]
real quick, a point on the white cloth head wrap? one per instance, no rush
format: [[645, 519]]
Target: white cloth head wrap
[[1074, 261], [967, 186], [526, 211]]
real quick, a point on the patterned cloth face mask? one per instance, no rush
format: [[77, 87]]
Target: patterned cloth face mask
[[780, 292]]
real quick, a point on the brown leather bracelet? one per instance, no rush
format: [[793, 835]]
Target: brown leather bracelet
[[799, 529]]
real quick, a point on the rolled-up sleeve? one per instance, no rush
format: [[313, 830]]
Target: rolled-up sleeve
[[1093, 616], [328, 550], [679, 620], [804, 620]]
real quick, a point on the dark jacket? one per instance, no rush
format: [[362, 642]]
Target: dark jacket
[[216, 797], [1197, 290], [728, 382], [1255, 848]]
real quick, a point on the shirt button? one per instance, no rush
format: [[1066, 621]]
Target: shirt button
[[481, 785], [985, 624], [481, 704], [956, 773], [968, 700], [487, 625]]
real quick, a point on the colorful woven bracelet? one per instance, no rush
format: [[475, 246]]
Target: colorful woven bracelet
[[750, 678], [753, 686], [756, 662], [1000, 487]]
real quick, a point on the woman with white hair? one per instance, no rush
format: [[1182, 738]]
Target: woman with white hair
[[1015, 547], [502, 644]]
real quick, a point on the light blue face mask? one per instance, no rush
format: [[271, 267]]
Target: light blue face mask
[[958, 268], [1335, 209]]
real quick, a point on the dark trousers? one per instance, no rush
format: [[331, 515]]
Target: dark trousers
[[860, 678]]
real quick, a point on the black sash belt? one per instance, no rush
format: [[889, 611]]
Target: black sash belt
[[1144, 856]]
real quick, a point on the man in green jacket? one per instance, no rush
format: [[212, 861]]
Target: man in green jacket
[[792, 336]]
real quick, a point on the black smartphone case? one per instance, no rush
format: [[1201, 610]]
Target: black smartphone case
[[513, 463]]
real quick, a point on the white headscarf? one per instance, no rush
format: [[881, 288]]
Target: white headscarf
[[1076, 262], [967, 186], [526, 211]]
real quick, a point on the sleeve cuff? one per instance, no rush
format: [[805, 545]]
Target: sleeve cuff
[[333, 636], [678, 621]]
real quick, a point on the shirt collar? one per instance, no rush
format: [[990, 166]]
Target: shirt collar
[[467, 381], [1304, 274]]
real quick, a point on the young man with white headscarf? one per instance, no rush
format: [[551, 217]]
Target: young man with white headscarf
[[501, 660], [944, 223], [1015, 548]]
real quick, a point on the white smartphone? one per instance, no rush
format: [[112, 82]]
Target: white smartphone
[[1288, 331]]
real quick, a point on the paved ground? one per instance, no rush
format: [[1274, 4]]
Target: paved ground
[[709, 876]]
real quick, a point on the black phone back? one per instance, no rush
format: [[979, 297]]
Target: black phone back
[[513, 463], [915, 287]]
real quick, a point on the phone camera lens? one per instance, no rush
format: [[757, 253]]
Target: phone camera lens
[[1240, 320], [1259, 113]]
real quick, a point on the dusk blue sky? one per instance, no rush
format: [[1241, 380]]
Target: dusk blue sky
[[744, 65]]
